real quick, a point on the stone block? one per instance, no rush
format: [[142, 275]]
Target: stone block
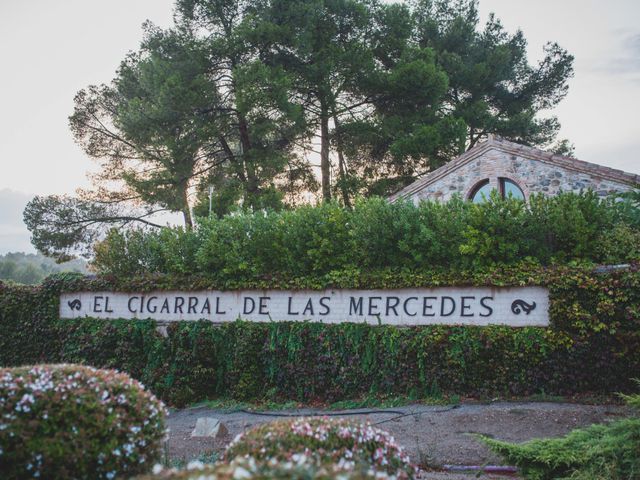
[[209, 427]]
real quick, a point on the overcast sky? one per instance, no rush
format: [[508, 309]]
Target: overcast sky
[[51, 49]]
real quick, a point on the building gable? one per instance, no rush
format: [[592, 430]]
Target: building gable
[[533, 170]]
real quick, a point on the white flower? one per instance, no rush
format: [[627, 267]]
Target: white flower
[[299, 459], [241, 473], [157, 468], [195, 465]]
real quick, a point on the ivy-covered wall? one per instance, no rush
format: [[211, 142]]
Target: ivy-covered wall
[[591, 346]]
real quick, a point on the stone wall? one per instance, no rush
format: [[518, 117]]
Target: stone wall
[[532, 175]]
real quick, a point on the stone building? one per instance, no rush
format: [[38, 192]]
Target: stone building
[[517, 170]]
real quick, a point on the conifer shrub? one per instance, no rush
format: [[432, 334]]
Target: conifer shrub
[[323, 441], [71, 421], [598, 452]]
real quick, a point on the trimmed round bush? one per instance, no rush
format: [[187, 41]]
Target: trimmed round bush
[[323, 441], [70, 421], [300, 467]]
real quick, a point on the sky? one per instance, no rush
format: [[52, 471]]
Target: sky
[[50, 50]]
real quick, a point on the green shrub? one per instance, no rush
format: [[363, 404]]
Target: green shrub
[[70, 421], [598, 452], [323, 441], [496, 231], [299, 467], [405, 235], [568, 226], [228, 246], [619, 242], [378, 234], [170, 250]]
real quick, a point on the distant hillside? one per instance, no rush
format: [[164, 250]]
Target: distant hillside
[[30, 268]]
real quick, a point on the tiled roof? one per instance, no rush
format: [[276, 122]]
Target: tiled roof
[[519, 150]]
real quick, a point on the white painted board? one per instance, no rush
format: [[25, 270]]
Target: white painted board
[[517, 306]]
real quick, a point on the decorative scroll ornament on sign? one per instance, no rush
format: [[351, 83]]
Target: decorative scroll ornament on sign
[[519, 306], [75, 304]]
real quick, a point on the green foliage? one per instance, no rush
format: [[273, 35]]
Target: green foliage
[[571, 225], [442, 83], [151, 126], [619, 242], [29, 268], [409, 131], [497, 231], [492, 86], [227, 102], [598, 452], [168, 249], [591, 347], [324, 47], [325, 441], [628, 206], [377, 234], [257, 119], [634, 399], [183, 111], [62, 226], [69, 421]]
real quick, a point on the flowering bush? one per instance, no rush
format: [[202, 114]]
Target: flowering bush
[[323, 441], [70, 421], [300, 467]]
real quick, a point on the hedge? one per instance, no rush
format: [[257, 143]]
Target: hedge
[[69, 421], [591, 346], [316, 240]]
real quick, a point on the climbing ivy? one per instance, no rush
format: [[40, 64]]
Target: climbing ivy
[[591, 346]]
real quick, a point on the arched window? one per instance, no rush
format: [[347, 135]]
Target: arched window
[[507, 189], [480, 192]]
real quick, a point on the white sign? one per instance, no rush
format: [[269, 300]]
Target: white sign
[[517, 307]]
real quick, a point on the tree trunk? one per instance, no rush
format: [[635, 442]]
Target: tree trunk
[[186, 211], [252, 185], [188, 222], [325, 165], [472, 139], [342, 169]]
